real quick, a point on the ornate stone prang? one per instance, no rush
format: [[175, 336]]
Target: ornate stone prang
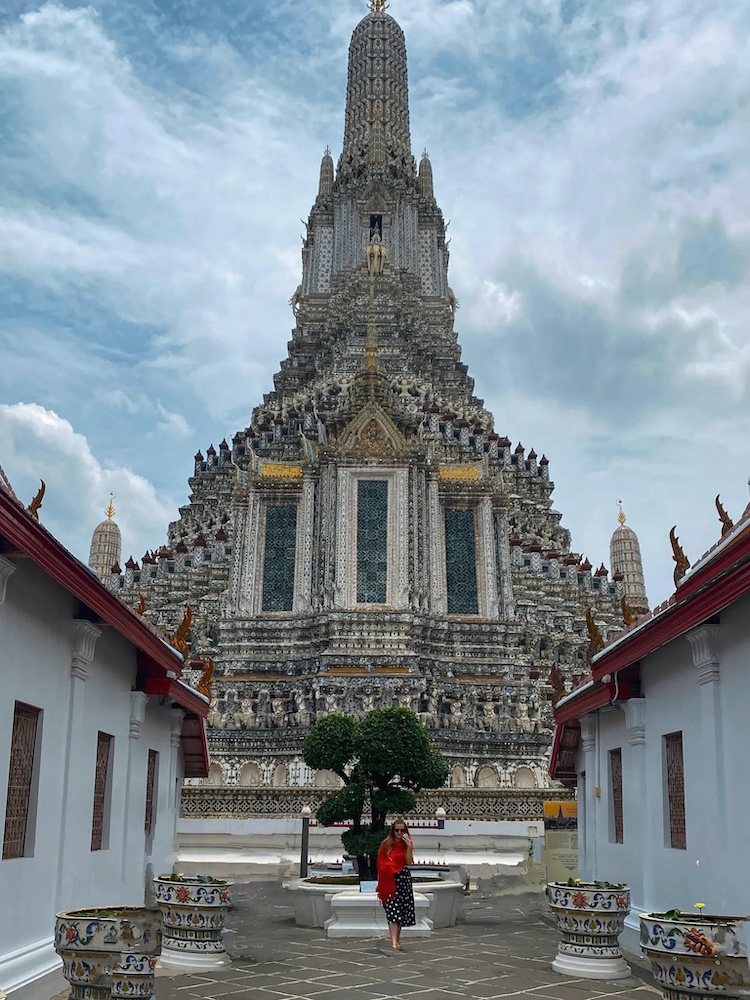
[[85, 634]]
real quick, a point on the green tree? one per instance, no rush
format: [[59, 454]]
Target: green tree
[[384, 759]]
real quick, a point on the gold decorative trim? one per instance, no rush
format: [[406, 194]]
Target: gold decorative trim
[[278, 470], [36, 503], [726, 521], [460, 473], [681, 561]]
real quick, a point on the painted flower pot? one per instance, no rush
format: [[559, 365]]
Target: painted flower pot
[[193, 910], [109, 951], [591, 917], [697, 955]]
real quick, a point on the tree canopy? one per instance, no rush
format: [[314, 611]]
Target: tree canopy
[[383, 759]]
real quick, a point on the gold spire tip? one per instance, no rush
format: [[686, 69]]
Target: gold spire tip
[[621, 516], [377, 6], [111, 507]]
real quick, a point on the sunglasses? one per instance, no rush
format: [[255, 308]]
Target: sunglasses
[[399, 829]]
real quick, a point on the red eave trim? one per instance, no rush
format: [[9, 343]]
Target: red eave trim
[[592, 698], [23, 532], [716, 566], [185, 697], [690, 611]]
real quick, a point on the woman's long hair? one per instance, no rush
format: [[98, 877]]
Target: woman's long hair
[[390, 840]]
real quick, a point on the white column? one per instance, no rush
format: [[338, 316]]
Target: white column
[[590, 751], [304, 542], [398, 537], [488, 562], [438, 595], [704, 643], [634, 792], [135, 780], [77, 793], [7, 569]]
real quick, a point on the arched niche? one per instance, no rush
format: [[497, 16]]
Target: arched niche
[[215, 775], [486, 777], [326, 779], [250, 776], [458, 777], [524, 777], [280, 776]]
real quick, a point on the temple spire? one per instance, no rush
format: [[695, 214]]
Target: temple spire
[[377, 91]]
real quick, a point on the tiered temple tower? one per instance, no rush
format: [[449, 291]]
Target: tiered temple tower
[[369, 539]]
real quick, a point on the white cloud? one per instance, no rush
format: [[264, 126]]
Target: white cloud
[[38, 444], [156, 203]]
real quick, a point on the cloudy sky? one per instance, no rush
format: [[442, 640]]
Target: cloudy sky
[[593, 156]]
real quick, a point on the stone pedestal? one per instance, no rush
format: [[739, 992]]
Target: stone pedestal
[[361, 915]]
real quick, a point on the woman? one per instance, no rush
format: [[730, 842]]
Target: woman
[[394, 881]]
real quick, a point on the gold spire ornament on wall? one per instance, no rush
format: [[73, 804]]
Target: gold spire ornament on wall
[[596, 643], [726, 521], [682, 563], [627, 615], [180, 639], [36, 503], [204, 681], [378, 6]]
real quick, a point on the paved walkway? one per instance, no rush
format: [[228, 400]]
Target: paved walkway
[[503, 949]]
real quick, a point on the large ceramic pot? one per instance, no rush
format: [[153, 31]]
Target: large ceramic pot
[[697, 955], [193, 909], [591, 917], [109, 951]]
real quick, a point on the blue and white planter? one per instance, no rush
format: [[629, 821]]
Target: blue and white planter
[[193, 913], [109, 951], [698, 955], [590, 919]]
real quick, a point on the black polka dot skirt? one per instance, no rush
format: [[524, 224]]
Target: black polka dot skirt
[[401, 909]]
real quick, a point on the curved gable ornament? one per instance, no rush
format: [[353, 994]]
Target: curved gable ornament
[[372, 434]]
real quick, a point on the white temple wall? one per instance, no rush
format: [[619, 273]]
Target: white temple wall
[[38, 635], [712, 717]]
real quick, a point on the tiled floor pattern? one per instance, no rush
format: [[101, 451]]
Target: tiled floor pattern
[[503, 949]]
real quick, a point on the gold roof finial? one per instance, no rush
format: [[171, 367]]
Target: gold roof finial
[[621, 516], [377, 6], [111, 509], [726, 521], [596, 642], [682, 563], [180, 639], [36, 503]]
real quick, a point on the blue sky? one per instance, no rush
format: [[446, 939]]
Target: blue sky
[[593, 157]]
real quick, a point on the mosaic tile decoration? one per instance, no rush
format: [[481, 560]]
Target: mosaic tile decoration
[[372, 541], [278, 562], [461, 562]]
